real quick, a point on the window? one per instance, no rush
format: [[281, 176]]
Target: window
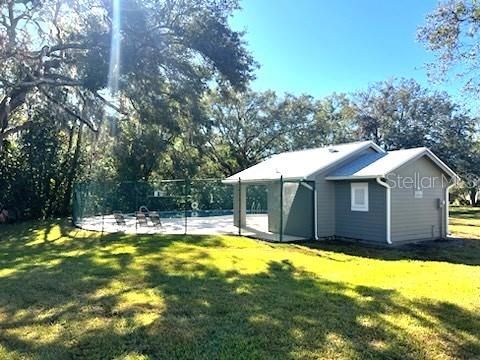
[[359, 196]]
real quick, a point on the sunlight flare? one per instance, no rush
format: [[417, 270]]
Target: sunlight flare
[[114, 67]]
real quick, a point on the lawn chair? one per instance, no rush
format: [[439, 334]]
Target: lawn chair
[[119, 219], [141, 218], [155, 218]]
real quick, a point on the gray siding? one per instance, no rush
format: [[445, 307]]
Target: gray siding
[[297, 210], [326, 198], [273, 203], [325, 207], [363, 225], [417, 219]]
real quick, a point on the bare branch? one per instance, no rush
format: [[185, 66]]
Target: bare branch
[[53, 82], [60, 47], [87, 122], [13, 24], [109, 103], [16, 129]]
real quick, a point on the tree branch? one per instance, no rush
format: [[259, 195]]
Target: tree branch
[[109, 104], [16, 129], [60, 47], [72, 113], [62, 81]]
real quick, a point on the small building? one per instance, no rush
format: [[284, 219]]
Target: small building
[[347, 191]]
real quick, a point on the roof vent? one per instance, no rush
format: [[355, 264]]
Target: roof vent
[[332, 150]]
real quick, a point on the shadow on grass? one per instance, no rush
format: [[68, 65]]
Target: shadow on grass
[[465, 212], [453, 250], [56, 306]]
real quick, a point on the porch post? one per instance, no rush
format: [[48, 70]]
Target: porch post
[[281, 208], [239, 205]]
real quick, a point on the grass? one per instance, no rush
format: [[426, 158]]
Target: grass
[[465, 222], [70, 294]]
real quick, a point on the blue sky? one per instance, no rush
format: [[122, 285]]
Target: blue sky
[[323, 46]]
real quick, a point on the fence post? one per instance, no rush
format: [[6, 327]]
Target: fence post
[[187, 193], [103, 207], [74, 204], [281, 208], [185, 224], [239, 207], [135, 206]]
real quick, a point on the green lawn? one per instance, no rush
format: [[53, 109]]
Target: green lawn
[[68, 294], [465, 222]]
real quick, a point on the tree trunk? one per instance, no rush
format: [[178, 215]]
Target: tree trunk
[[73, 171], [473, 196], [9, 105]]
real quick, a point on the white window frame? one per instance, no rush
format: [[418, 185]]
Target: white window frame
[[359, 186]]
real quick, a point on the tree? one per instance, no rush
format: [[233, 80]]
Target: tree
[[245, 128], [458, 142], [159, 44], [402, 114], [451, 31], [332, 123], [138, 150], [39, 168]]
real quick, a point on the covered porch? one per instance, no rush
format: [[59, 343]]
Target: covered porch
[[275, 209]]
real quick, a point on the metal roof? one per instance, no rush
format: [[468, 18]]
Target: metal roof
[[375, 165], [300, 164]]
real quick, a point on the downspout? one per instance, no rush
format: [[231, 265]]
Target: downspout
[[389, 208], [239, 207], [281, 208], [447, 204], [315, 212]]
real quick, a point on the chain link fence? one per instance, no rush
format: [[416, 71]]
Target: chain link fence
[[275, 210]]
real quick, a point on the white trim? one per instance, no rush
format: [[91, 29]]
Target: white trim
[[315, 211], [407, 160], [346, 156], [431, 156], [360, 145], [447, 210], [378, 148], [260, 181], [308, 186], [388, 209], [441, 164], [350, 177], [358, 186], [425, 152]]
